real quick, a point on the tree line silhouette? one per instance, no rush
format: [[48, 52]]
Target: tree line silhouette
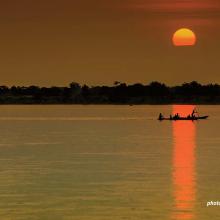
[[119, 93]]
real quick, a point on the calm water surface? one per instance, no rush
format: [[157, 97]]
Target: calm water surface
[[108, 162]]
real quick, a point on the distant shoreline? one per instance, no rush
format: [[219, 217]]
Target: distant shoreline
[[155, 93], [108, 104]]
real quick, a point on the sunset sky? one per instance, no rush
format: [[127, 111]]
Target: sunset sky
[[54, 42]]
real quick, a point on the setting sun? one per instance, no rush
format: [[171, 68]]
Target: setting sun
[[184, 37]]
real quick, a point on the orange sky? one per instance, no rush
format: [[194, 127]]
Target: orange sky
[[47, 42]]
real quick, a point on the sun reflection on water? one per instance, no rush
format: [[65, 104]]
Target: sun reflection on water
[[184, 180]]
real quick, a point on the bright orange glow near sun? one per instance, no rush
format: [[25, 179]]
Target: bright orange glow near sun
[[184, 37]]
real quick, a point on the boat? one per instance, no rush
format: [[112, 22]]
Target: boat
[[184, 118]]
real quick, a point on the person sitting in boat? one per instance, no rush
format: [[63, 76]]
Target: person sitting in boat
[[193, 113], [176, 116], [161, 116]]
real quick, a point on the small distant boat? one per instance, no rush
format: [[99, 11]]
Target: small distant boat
[[184, 118], [191, 117]]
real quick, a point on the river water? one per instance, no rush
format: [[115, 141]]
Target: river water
[[108, 162]]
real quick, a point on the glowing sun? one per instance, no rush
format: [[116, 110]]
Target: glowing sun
[[184, 37]]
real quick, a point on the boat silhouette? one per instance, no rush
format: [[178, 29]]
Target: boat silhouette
[[191, 117], [184, 118]]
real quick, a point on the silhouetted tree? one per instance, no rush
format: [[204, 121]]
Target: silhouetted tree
[[120, 93], [85, 91]]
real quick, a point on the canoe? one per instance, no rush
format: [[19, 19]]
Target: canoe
[[185, 118]]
